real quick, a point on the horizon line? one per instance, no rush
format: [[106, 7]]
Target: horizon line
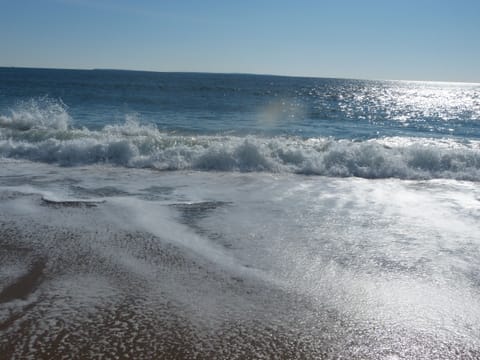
[[233, 73]]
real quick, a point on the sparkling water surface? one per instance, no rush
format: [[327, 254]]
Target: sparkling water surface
[[253, 104]]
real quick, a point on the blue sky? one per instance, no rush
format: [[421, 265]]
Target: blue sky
[[373, 39]]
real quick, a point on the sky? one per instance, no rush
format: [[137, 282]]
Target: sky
[[435, 40]]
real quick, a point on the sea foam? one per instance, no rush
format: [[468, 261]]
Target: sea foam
[[41, 113], [43, 132]]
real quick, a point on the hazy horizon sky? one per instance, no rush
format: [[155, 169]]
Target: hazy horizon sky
[[370, 39]]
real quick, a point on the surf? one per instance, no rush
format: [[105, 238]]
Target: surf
[[44, 132]]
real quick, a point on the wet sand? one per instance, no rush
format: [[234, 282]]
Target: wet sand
[[135, 327], [42, 322], [169, 274]]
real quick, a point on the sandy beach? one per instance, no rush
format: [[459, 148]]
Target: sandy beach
[[182, 286]]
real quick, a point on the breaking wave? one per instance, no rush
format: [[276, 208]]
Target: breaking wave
[[43, 132], [43, 113]]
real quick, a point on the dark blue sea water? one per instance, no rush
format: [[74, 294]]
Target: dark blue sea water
[[194, 103], [181, 215]]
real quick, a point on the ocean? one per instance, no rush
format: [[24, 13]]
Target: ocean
[[199, 216]]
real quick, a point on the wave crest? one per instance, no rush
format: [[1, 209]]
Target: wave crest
[[42, 132], [42, 113]]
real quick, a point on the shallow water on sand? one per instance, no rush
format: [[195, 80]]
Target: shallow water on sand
[[99, 261]]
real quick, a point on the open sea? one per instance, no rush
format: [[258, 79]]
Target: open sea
[[223, 216]]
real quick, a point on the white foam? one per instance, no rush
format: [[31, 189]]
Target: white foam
[[40, 130], [133, 145], [40, 114]]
